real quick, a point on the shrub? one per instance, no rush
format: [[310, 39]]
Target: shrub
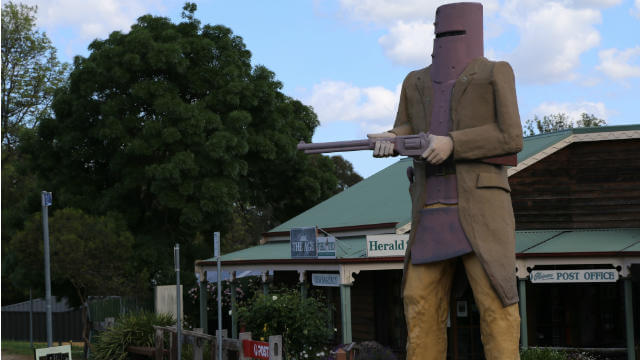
[[130, 329], [301, 322], [245, 290], [371, 350], [542, 354], [582, 355]]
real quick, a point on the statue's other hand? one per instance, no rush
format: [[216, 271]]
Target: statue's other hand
[[383, 148], [440, 147]]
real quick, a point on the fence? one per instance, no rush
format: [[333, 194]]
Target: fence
[[67, 322], [114, 306], [198, 340], [67, 326]]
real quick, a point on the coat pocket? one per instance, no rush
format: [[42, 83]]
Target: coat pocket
[[488, 180]]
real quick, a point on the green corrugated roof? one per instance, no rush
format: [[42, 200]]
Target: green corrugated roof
[[600, 129], [528, 239], [383, 197], [349, 248], [634, 247], [268, 251], [535, 144], [609, 240], [527, 242]]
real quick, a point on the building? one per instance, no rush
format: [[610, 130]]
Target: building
[[66, 321], [576, 199]]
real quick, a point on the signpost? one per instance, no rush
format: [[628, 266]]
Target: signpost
[[574, 276], [46, 202], [303, 243], [176, 259], [216, 254]]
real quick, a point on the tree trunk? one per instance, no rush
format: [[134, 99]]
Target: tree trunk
[[85, 320]]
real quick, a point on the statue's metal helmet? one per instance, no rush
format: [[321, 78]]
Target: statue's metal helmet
[[459, 34]]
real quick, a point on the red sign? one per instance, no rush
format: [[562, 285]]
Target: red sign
[[256, 349]]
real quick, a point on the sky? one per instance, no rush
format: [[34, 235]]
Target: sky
[[347, 58]]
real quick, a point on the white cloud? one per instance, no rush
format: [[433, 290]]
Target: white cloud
[[525, 6], [373, 108], [620, 64], [584, 4], [553, 34], [409, 40], [409, 44], [552, 38], [390, 11], [573, 110], [636, 11], [589, 81], [92, 19]]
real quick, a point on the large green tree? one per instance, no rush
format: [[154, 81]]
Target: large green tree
[[347, 176], [30, 74], [171, 126], [31, 71]]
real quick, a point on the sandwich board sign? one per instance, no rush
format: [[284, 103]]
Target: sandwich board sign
[[54, 353]]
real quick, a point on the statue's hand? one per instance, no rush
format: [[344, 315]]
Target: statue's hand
[[440, 147], [383, 148]]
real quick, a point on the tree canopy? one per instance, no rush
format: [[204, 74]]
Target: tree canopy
[[558, 122], [172, 127], [31, 71]]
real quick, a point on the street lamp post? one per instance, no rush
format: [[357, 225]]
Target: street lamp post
[[216, 254], [176, 258], [46, 202]]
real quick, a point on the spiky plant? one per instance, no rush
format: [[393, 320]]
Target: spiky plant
[[131, 329]]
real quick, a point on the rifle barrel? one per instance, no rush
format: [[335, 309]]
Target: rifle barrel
[[336, 146], [338, 149]]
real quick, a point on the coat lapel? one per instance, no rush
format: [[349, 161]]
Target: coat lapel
[[462, 83]]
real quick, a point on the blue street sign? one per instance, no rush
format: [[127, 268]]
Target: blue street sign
[[46, 198]]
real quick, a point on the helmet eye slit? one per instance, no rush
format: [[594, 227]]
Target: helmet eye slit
[[450, 33]]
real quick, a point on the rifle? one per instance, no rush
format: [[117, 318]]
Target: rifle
[[406, 145]]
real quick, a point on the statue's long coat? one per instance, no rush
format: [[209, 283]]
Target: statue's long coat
[[486, 123]]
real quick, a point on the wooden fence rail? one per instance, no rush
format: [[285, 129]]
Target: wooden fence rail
[[198, 340]]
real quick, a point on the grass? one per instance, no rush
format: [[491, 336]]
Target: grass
[[24, 348]]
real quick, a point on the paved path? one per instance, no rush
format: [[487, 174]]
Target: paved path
[[6, 356]]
